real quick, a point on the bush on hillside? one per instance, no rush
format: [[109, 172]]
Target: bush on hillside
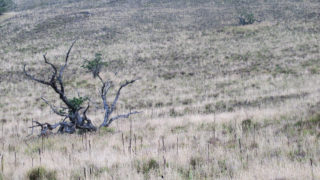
[[246, 18], [40, 173], [5, 5]]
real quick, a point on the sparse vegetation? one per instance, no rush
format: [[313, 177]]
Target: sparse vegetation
[[40, 173], [219, 100], [150, 165]]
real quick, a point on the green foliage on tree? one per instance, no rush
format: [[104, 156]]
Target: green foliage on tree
[[94, 66], [77, 102]]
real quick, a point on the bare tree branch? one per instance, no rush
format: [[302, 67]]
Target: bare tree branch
[[121, 116], [31, 129], [85, 112], [53, 108], [104, 90], [113, 106], [33, 78], [38, 124], [63, 67], [52, 82], [51, 127], [53, 67], [46, 128], [98, 75]]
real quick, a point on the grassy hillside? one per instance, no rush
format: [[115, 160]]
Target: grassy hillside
[[219, 100]]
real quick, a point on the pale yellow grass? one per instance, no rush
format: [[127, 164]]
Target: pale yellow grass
[[200, 83]]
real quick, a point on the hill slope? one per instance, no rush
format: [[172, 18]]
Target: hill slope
[[219, 100]]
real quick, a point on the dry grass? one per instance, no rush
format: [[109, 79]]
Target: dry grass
[[219, 101]]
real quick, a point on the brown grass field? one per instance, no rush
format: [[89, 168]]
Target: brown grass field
[[218, 100]]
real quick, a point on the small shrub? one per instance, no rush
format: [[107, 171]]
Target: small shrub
[[297, 155], [40, 173], [6, 5], [209, 108], [246, 125], [227, 128], [174, 113], [3, 6], [314, 70], [313, 121], [159, 104], [221, 106], [152, 164], [145, 167], [187, 101], [196, 162], [309, 126], [222, 165], [246, 18], [169, 75]]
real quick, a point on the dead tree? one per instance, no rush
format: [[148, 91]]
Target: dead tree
[[109, 108], [75, 117]]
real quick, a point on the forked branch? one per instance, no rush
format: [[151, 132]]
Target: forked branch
[[53, 81], [121, 116], [54, 109], [109, 109], [46, 128]]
